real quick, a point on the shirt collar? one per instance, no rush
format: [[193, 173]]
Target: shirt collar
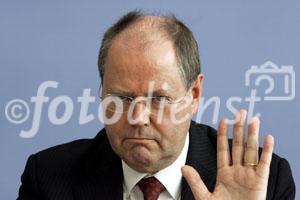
[[170, 176]]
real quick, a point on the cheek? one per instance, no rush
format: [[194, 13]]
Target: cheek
[[118, 125], [116, 131], [172, 135], [194, 107], [113, 137], [173, 120], [168, 135]]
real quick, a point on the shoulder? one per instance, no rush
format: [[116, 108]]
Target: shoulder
[[68, 157], [55, 170]]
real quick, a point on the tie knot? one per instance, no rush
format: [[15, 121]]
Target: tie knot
[[151, 188]]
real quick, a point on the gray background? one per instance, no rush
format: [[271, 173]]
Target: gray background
[[59, 41]]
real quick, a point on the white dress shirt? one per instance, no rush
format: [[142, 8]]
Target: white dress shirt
[[170, 177]]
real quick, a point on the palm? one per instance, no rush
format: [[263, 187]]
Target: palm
[[237, 177], [237, 182]]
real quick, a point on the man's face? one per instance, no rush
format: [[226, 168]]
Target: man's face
[[147, 144]]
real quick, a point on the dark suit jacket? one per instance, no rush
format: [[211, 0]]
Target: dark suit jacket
[[88, 169]]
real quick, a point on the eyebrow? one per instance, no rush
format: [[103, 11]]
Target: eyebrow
[[118, 91], [158, 92]]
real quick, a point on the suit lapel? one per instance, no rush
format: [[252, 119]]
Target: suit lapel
[[102, 176], [201, 156]]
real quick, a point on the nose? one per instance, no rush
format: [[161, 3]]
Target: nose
[[140, 115]]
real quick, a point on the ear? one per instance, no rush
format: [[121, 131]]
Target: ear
[[197, 92]]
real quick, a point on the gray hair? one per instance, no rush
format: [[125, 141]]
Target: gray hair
[[186, 48]]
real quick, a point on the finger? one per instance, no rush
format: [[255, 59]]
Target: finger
[[195, 182], [223, 154], [251, 151], [238, 141], [263, 166]]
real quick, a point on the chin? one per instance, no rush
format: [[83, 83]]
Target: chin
[[145, 168], [142, 163]]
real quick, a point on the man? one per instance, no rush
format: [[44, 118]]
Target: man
[[150, 148]]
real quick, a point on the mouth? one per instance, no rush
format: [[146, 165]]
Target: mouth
[[138, 144], [138, 138]]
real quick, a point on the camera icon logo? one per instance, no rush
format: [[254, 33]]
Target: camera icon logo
[[281, 81]]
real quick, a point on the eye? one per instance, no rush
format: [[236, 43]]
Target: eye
[[159, 99], [125, 99]]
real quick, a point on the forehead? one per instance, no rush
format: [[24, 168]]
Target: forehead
[[135, 59]]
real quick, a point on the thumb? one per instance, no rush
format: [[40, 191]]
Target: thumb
[[195, 182]]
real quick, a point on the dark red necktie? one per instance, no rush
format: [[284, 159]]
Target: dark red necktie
[[151, 188]]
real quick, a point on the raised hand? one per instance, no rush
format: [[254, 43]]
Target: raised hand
[[241, 175]]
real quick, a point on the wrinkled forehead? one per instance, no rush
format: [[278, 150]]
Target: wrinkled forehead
[[137, 59]]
